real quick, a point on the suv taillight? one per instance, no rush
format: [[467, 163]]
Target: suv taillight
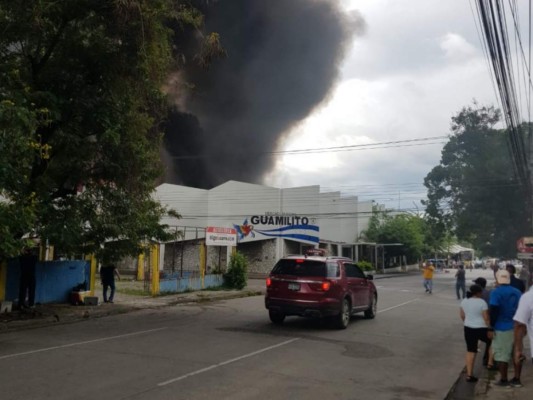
[[268, 282], [325, 286]]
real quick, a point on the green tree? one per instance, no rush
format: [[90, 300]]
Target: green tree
[[473, 192], [80, 109], [407, 229]]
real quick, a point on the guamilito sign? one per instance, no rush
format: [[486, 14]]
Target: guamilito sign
[[282, 225]]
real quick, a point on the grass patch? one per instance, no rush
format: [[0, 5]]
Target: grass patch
[[133, 292]]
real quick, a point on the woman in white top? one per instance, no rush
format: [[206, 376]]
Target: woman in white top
[[475, 315]]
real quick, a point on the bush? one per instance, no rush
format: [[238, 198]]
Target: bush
[[365, 265], [237, 273]]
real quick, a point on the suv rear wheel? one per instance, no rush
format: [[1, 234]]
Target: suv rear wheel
[[276, 317], [343, 319], [372, 310]]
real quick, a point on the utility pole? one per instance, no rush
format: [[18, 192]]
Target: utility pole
[[529, 263]]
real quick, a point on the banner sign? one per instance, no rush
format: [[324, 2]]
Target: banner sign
[[279, 225], [215, 236]]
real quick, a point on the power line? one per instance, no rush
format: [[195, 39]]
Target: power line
[[369, 146]]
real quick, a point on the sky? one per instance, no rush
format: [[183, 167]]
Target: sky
[[415, 65]]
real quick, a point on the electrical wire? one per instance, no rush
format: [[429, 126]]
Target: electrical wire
[[368, 146]]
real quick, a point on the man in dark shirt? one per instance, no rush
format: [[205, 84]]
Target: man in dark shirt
[[460, 283], [107, 275], [515, 282], [28, 261]]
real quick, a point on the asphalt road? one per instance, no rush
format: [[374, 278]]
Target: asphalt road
[[414, 349]]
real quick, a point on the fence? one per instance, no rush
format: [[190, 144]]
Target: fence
[[188, 280]]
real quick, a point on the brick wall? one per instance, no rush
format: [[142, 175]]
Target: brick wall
[[261, 256], [184, 255]]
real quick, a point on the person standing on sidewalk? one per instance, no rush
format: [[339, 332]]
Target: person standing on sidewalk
[[460, 283], [503, 305], [515, 282], [488, 360], [28, 261], [524, 276], [523, 323], [428, 277], [107, 275], [475, 315]]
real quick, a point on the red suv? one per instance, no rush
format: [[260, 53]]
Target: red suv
[[317, 286]]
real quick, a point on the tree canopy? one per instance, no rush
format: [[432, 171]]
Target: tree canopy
[[80, 111], [405, 229], [473, 192]]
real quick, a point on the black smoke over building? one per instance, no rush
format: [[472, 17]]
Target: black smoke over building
[[282, 61]]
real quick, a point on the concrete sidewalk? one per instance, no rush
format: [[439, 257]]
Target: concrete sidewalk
[[486, 390], [53, 314]]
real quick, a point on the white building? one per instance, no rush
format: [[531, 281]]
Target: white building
[[269, 222]]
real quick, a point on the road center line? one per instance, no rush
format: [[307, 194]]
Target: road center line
[[396, 306], [199, 371], [79, 343]]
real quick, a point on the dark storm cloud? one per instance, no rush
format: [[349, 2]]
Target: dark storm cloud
[[282, 61]]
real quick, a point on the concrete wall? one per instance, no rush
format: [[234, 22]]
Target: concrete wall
[[261, 255], [234, 202], [184, 255], [364, 213]]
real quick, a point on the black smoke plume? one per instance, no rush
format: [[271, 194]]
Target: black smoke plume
[[282, 61]]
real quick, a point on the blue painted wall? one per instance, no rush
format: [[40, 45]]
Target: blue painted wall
[[54, 280]]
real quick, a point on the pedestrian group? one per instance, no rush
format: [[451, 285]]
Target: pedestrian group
[[500, 318]]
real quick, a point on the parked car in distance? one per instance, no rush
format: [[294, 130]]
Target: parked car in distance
[[317, 287], [439, 263]]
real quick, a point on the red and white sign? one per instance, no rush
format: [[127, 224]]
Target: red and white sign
[[525, 245], [216, 236]]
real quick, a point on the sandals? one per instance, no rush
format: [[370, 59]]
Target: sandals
[[471, 379]]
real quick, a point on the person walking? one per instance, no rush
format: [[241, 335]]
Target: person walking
[[107, 276], [475, 316], [428, 271], [460, 283], [503, 305], [483, 283], [523, 323]]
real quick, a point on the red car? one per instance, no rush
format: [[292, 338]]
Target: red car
[[318, 286]]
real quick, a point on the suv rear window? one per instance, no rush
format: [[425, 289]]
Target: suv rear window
[[304, 267]]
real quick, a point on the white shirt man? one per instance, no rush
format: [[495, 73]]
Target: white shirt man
[[523, 319]]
